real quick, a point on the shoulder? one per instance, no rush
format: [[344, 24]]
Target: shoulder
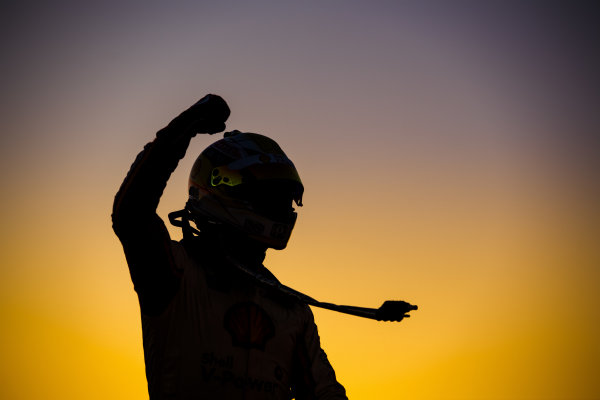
[[184, 257], [194, 257], [178, 249]]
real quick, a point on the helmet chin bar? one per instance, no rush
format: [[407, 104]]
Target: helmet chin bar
[[274, 234]]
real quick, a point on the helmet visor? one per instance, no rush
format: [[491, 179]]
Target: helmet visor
[[273, 198]]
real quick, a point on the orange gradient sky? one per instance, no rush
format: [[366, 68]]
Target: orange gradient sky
[[449, 152]]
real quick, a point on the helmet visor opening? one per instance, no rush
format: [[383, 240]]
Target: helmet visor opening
[[273, 198]]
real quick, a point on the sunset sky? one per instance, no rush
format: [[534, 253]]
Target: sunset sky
[[449, 151]]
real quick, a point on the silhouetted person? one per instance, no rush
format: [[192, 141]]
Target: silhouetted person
[[209, 331]]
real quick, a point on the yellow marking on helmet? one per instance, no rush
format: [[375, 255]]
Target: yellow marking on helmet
[[225, 176]]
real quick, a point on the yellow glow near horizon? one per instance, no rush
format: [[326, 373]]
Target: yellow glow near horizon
[[447, 162]]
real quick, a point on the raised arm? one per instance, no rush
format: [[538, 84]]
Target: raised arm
[[142, 232]]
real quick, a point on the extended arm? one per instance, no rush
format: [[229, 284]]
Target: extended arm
[[142, 232]]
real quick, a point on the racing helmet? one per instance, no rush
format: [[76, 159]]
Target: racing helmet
[[245, 181]]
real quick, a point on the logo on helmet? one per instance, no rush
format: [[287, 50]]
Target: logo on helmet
[[239, 180]]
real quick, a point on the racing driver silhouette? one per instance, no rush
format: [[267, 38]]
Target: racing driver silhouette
[[209, 331]]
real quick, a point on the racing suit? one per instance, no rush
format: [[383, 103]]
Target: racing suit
[[208, 331]]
